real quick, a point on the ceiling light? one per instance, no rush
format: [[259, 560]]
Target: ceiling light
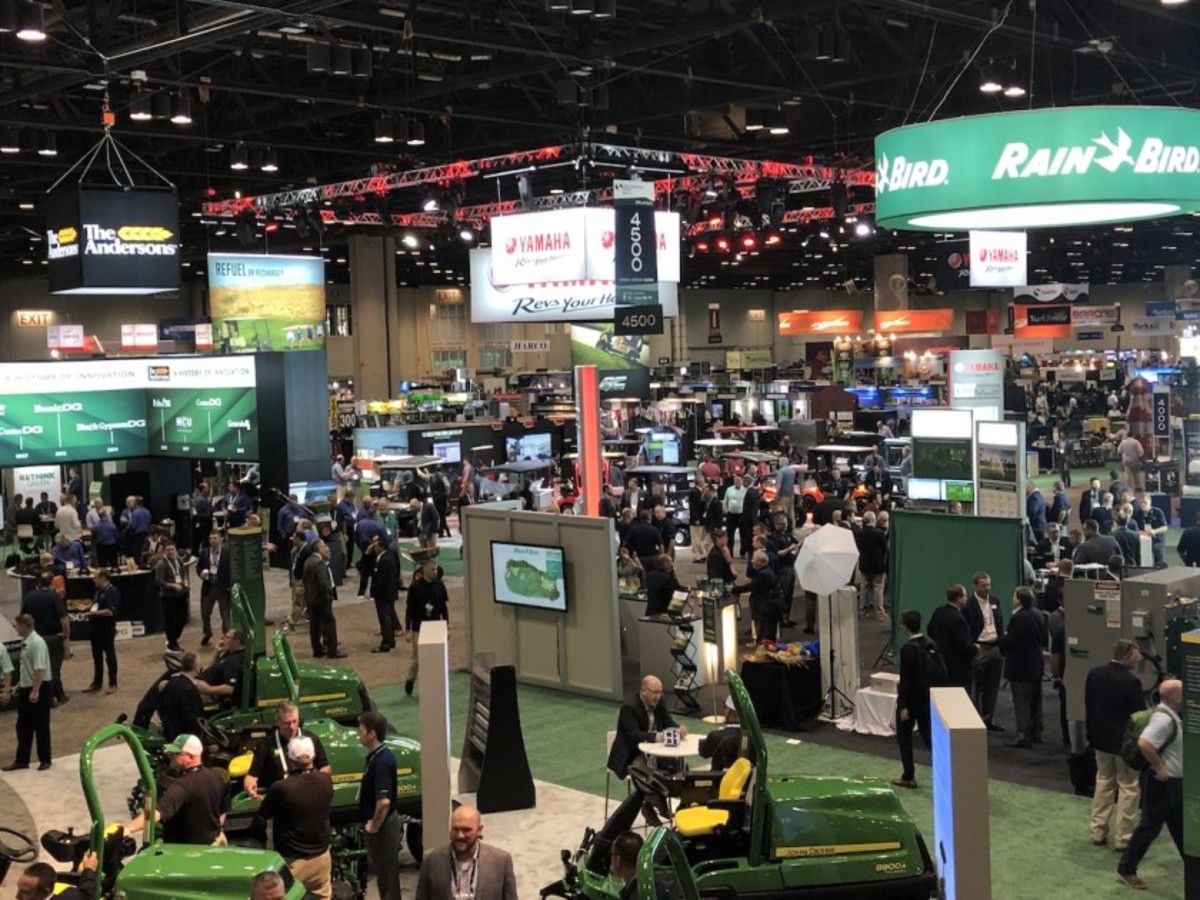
[[605, 9], [161, 106], [385, 131], [467, 235], [1014, 90], [583, 7], [317, 57], [239, 159], [47, 144], [755, 119], [558, 5], [181, 108], [360, 62], [411, 241], [32, 24], [270, 161], [341, 61], [416, 133], [776, 123], [139, 107], [431, 203], [26, 204], [863, 229], [988, 82], [10, 141]]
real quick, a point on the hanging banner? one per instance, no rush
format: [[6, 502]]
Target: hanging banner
[[976, 380], [1041, 322], [635, 259], [998, 259], [951, 267], [112, 240], [1160, 308], [1051, 293], [1095, 316], [911, 320], [714, 323], [262, 303], [623, 361], [1152, 326], [529, 346], [1162, 413], [821, 321]]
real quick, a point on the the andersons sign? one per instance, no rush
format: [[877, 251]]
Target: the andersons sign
[[1039, 168]]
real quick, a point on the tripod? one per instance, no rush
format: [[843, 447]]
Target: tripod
[[835, 703]]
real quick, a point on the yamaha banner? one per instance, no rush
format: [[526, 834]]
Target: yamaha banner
[[635, 243], [112, 240]]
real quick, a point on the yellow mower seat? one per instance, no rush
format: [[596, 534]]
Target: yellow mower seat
[[239, 766], [697, 821]]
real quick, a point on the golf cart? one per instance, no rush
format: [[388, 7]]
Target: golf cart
[[676, 481], [245, 334], [662, 870], [156, 871], [747, 833], [627, 346], [404, 477]]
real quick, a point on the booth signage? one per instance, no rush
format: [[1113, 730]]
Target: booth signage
[[1051, 293], [40, 318], [913, 320], [1162, 413], [530, 346], [976, 379], [623, 361], [1041, 321], [1047, 315], [569, 301], [1013, 346], [112, 240], [821, 321], [32, 481], [638, 319], [998, 258], [714, 323], [1095, 316], [572, 245], [1090, 335], [1160, 308], [267, 302], [139, 337], [65, 337], [1039, 168], [1152, 325], [635, 258]]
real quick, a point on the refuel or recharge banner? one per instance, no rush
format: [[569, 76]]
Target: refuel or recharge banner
[[102, 240]]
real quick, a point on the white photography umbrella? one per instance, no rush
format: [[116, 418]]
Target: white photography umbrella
[[827, 559]]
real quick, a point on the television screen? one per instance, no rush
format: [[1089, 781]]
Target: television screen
[[946, 458], [963, 491], [923, 489], [670, 453], [529, 575], [449, 451], [531, 446], [312, 491]]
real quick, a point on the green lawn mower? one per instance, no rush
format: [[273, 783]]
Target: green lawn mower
[[746, 833]]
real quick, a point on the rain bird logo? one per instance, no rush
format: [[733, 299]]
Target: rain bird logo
[[901, 174], [1153, 157], [1118, 153]]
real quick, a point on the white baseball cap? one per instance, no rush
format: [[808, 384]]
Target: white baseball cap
[[301, 748], [186, 743]]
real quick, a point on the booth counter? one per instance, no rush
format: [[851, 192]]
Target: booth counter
[[139, 599]]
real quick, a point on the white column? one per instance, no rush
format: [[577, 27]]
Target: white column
[[433, 652]]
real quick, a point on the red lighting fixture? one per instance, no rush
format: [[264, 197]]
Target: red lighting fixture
[[723, 244], [702, 246], [748, 241], [773, 239]]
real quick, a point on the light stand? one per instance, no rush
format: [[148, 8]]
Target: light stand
[[835, 704]]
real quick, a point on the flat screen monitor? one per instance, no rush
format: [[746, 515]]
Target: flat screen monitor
[[670, 453], [531, 446], [529, 575], [923, 489], [718, 410], [311, 491], [963, 491], [946, 458], [448, 451]]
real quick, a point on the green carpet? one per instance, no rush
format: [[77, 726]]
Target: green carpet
[[1040, 839]]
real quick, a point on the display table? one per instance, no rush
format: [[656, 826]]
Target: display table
[[688, 746], [874, 713], [784, 695], [139, 599]]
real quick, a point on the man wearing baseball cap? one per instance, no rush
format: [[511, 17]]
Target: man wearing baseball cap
[[300, 806], [192, 808]]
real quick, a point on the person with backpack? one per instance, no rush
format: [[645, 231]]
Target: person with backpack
[[921, 668], [1023, 646], [1161, 746], [1112, 693]]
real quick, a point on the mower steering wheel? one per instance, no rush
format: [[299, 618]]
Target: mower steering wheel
[[24, 851], [213, 734]]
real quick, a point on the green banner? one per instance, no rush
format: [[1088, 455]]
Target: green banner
[[1190, 648], [42, 428], [246, 568], [1039, 168], [221, 423]]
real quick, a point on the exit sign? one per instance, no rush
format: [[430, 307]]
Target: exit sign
[[34, 318]]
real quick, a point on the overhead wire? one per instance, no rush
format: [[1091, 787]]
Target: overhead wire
[[971, 59]]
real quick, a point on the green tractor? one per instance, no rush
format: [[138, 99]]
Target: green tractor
[[749, 834], [156, 871]]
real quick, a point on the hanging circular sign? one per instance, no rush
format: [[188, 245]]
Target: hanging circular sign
[[1039, 168]]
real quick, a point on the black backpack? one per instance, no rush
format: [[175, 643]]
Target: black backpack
[[932, 664]]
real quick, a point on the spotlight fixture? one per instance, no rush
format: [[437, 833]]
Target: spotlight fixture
[[754, 119], [748, 240], [863, 229], [161, 105], [47, 144], [139, 107], [341, 61], [431, 203], [989, 83], [1014, 90], [605, 9], [31, 25], [181, 108], [722, 243], [583, 7], [702, 245], [410, 240], [467, 234], [10, 140], [773, 239], [385, 130], [776, 122], [246, 228], [416, 133], [239, 158], [558, 5], [317, 57], [270, 161], [272, 224]]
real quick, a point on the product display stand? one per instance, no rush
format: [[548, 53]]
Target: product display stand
[[839, 652], [494, 764], [683, 663]]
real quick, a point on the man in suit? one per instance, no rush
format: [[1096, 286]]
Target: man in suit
[[1189, 544], [1111, 695], [171, 579], [982, 612], [1023, 645], [1125, 533], [467, 867], [948, 629], [912, 694], [640, 721], [1096, 547], [1035, 510], [319, 594], [216, 579], [1053, 546], [1089, 500], [872, 564], [385, 591], [1103, 514]]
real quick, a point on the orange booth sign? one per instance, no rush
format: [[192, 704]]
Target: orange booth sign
[[910, 320], [821, 321]]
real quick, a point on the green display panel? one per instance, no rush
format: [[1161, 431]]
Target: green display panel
[[930, 551], [246, 569], [52, 427], [1190, 648], [221, 423]]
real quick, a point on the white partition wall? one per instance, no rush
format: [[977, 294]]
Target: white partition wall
[[961, 833], [433, 653], [577, 650]]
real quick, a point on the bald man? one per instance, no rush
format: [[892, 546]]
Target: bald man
[[1161, 743], [641, 721], [466, 866]]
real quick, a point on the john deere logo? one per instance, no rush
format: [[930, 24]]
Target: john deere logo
[[1153, 157], [900, 174]]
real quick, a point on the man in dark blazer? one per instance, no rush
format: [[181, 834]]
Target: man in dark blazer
[[872, 564], [467, 867], [948, 629], [1189, 544], [640, 721], [982, 612], [912, 695], [216, 580], [1111, 695], [1023, 645], [385, 591], [1035, 510], [1089, 500]]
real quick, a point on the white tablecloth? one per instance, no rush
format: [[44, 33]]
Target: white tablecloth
[[874, 713]]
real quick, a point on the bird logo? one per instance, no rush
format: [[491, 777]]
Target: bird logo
[[1118, 153]]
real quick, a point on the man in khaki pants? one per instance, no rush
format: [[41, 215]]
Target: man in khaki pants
[[1112, 694], [300, 807]]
